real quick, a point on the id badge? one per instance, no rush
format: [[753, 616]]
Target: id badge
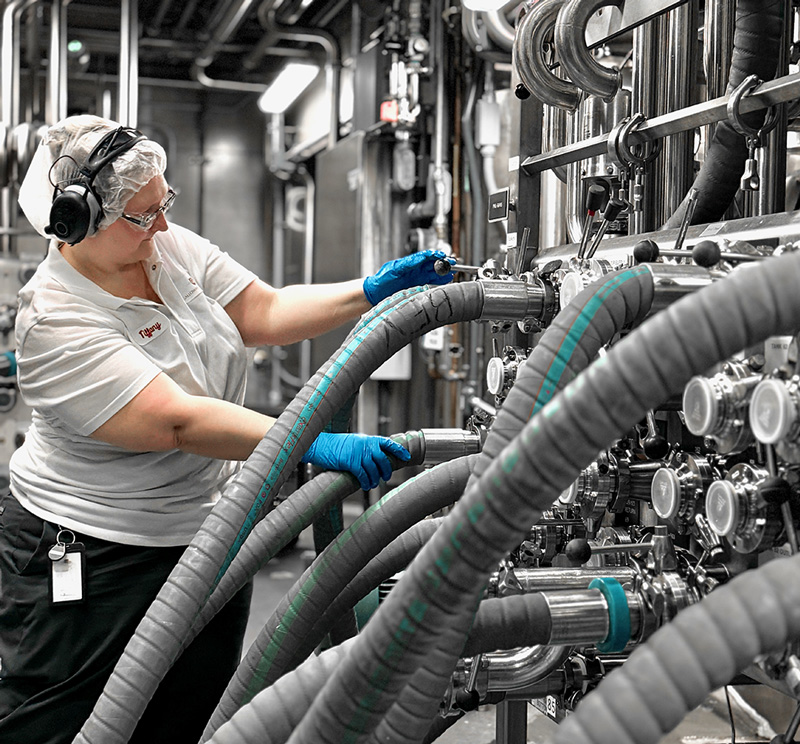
[[67, 573]]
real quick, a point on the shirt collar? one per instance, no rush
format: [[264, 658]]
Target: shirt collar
[[65, 273]]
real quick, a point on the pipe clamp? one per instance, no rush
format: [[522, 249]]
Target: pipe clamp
[[619, 615]]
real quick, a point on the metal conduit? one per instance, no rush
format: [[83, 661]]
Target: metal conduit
[[533, 29], [500, 30], [128, 103], [677, 156], [578, 62], [268, 20], [56, 99]]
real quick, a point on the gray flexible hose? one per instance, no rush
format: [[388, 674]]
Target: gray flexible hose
[[410, 716], [756, 46], [287, 629], [608, 305], [287, 521], [393, 559], [160, 636], [274, 713], [702, 649], [647, 367], [614, 302]]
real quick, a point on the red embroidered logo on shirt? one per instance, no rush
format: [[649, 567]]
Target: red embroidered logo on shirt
[[150, 330]]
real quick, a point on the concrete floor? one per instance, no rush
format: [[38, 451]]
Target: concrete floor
[[758, 712]]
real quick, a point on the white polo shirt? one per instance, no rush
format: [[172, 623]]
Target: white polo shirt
[[83, 353]]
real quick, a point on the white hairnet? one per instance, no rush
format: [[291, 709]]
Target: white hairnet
[[76, 137]]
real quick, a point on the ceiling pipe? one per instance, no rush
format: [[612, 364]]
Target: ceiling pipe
[[10, 60], [533, 29], [500, 31], [273, 29], [154, 29], [222, 25], [188, 12]]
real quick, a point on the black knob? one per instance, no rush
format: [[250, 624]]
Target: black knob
[[578, 551], [645, 251], [595, 198], [706, 253], [522, 92], [655, 447], [613, 208], [775, 490]]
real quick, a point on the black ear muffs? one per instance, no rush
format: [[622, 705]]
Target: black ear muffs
[[77, 210]]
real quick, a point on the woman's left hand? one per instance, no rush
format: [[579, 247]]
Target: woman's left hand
[[403, 273]]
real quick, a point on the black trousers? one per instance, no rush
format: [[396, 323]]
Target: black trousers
[[57, 658]]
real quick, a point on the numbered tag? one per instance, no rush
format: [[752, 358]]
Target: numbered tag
[[67, 570]]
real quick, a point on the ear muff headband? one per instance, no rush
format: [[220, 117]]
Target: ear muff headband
[[76, 210]]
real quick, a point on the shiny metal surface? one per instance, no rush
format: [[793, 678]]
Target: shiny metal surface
[[442, 445], [512, 299], [577, 617], [570, 38], [550, 579], [782, 90], [515, 670], [673, 281], [532, 31]]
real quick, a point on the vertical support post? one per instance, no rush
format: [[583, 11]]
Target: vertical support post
[[526, 191], [643, 100], [511, 722], [678, 151], [56, 100], [772, 195], [128, 104]]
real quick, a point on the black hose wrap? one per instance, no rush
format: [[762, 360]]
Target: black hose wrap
[[162, 632], [756, 47], [509, 622], [287, 629], [616, 301], [649, 366], [702, 649]]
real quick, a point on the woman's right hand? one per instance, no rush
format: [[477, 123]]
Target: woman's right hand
[[365, 457]]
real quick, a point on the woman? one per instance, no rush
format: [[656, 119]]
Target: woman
[[131, 343]]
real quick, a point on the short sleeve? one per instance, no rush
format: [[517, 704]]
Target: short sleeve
[[80, 372], [221, 276]]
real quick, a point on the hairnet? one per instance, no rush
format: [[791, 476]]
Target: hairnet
[[76, 137]]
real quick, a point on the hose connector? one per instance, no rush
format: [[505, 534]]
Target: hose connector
[[443, 445], [673, 281], [514, 300]]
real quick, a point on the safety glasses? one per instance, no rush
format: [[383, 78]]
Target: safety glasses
[[145, 221]]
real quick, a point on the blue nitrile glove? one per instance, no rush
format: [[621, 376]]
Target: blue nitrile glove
[[363, 456], [404, 273]]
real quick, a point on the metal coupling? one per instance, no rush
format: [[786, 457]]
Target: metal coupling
[[673, 281], [515, 300], [529, 580], [443, 445]]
